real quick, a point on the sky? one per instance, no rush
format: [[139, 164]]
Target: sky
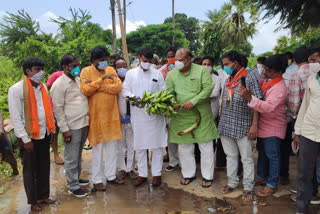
[[139, 12]]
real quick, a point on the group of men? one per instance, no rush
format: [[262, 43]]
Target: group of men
[[235, 107]]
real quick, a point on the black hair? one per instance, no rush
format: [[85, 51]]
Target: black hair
[[99, 52], [261, 59], [197, 60], [67, 59], [314, 49], [117, 59], [115, 56], [30, 62], [301, 55], [233, 56], [277, 62], [146, 52], [289, 55], [209, 58], [172, 49], [244, 61]]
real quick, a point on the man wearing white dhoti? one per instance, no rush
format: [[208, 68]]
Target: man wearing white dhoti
[[149, 131]]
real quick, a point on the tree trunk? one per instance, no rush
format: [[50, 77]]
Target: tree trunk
[[114, 31], [123, 35], [125, 16]]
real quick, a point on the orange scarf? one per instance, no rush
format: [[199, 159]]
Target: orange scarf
[[265, 86], [165, 69], [231, 84], [31, 112]]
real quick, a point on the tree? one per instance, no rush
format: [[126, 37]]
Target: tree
[[236, 28], [190, 27], [295, 15], [156, 36], [16, 28]]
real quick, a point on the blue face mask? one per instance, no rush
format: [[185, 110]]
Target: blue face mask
[[228, 70], [122, 72], [102, 65], [75, 72]]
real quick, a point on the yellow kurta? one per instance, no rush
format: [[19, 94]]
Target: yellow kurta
[[104, 116]]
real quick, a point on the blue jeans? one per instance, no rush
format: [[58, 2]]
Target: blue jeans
[[269, 160]]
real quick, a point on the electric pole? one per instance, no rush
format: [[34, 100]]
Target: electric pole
[[173, 22]]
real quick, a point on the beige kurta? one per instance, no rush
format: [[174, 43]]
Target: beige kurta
[[104, 116]]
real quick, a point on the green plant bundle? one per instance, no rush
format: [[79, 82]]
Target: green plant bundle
[[159, 104]]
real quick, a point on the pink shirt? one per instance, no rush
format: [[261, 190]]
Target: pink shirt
[[51, 80], [272, 117]]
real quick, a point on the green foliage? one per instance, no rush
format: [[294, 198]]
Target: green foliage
[[252, 61], [8, 76], [228, 30], [190, 27], [295, 15], [158, 37], [15, 28]]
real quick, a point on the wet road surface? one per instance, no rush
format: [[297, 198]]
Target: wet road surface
[[129, 199]]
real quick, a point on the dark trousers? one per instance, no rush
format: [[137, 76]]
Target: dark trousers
[[221, 160], [307, 179], [36, 169], [285, 151]]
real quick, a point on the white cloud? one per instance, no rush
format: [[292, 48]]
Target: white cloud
[[131, 26], [266, 37], [46, 25]]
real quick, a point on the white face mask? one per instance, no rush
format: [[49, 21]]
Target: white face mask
[[314, 67], [209, 68], [145, 65], [260, 68], [179, 65], [38, 77]]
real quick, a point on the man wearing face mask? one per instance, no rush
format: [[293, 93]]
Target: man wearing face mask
[[32, 118], [71, 110], [125, 146], [149, 131], [258, 70], [171, 53], [238, 124], [308, 140], [192, 85], [102, 85], [207, 61]]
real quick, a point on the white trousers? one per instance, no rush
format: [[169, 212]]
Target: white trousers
[[188, 162], [173, 154], [156, 162], [99, 172], [125, 146]]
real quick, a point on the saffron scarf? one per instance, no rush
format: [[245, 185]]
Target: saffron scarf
[[265, 86], [31, 112], [232, 83]]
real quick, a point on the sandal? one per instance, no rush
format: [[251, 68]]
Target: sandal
[[116, 181], [187, 181], [205, 183], [226, 189], [247, 195], [36, 208]]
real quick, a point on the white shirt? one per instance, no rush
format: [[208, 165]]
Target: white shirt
[[70, 106], [308, 120], [16, 109], [215, 95], [149, 130]]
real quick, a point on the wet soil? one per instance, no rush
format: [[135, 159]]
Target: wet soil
[[169, 198]]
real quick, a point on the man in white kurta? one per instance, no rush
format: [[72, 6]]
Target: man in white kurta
[[149, 131]]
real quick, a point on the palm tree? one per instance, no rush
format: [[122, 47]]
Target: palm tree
[[238, 21]]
